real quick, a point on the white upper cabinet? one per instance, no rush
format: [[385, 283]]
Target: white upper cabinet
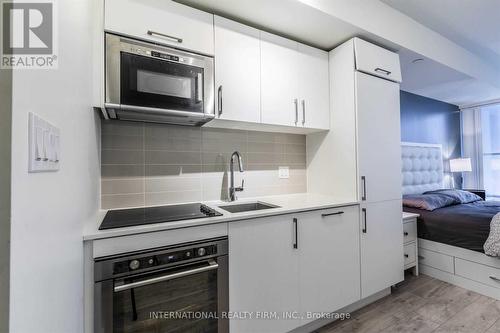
[[377, 61], [237, 71], [161, 21], [314, 109], [379, 138], [280, 80]]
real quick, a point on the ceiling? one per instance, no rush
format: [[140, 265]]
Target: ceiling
[[288, 18], [429, 78], [471, 25]]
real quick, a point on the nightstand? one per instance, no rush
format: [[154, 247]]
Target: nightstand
[[410, 242], [481, 193]]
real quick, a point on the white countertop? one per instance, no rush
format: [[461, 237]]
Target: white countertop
[[407, 216], [291, 203]]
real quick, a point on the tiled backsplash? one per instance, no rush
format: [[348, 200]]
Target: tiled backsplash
[[151, 164]]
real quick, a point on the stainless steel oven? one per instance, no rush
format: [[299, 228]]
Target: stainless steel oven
[[154, 83], [174, 289]]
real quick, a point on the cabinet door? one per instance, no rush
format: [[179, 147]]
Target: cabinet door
[[379, 138], [329, 259], [237, 71], [382, 257], [263, 273], [314, 109], [279, 89], [170, 23]]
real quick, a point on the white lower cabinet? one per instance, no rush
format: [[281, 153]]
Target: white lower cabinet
[[263, 273], [328, 260], [381, 246], [291, 265]]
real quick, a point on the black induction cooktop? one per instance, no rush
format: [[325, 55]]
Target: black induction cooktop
[[139, 216]]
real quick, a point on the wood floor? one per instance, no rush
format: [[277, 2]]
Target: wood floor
[[421, 305]]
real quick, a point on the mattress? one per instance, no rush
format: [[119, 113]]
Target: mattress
[[464, 225]]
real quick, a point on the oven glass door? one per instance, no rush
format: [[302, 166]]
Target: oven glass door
[[184, 304], [156, 83]]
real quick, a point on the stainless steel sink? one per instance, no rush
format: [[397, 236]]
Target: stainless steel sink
[[247, 207]]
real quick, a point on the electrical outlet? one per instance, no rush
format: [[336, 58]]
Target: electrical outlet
[[283, 172]]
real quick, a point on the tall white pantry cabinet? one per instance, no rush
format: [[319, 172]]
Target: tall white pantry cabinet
[[359, 158]]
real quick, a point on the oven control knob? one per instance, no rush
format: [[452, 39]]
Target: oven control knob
[[134, 264], [201, 251]]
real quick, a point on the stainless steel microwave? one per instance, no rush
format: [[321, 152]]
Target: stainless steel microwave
[[154, 83]]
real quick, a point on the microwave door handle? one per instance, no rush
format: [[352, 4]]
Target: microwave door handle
[[199, 87], [212, 265]]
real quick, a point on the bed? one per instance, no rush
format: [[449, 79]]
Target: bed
[[463, 225], [450, 238]]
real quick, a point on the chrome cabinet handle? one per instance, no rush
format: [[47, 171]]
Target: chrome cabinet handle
[[175, 39], [330, 214], [365, 226], [303, 112], [363, 180], [295, 228], [219, 96], [383, 71], [406, 256], [405, 233], [211, 266], [296, 102]]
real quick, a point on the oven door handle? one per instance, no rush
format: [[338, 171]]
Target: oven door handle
[[211, 266]]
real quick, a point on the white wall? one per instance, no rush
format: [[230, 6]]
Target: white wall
[[5, 159], [49, 209]]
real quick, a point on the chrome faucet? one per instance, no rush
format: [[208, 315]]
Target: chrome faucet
[[232, 189]]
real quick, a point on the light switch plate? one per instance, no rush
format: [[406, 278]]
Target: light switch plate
[[283, 172], [44, 145]]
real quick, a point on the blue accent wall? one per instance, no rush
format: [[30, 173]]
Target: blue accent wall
[[431, 121]]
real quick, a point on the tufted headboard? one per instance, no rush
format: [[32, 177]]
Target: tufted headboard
[[422, 167]]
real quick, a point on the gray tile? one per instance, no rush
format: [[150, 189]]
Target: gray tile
[[268, 137], [173, 184], [122, 128], [266, 158], [122, 171], [122, 201], [295, 149], [221, 158], [122, 156], [173, 144], [224, 145], [172, 131], [295, 139], [173, 170], [172, 158], [122, 186], [265, 147], [164, 198], [124, 142]]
